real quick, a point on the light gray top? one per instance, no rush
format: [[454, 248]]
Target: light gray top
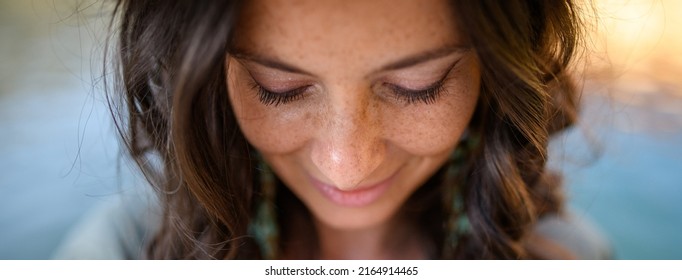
[[117, 228]]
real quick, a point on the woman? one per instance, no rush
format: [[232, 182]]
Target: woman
[[348, 129]]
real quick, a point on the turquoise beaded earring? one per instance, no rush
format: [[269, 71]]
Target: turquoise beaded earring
[[264, 226], [457, 223]]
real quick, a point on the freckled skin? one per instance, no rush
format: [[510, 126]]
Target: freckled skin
[[344, 132]]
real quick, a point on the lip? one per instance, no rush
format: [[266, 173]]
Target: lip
[[359, 197]]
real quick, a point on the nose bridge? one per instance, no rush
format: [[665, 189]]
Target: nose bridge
[[350, 146]]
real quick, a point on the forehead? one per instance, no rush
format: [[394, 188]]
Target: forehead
[[345, 31]]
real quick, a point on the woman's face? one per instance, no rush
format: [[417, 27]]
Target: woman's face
[[354, 104]]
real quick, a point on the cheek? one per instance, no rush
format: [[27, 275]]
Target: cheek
[[430, 132], [268, 129], [436, 128]]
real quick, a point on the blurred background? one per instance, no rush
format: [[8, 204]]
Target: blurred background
[[59, 152]]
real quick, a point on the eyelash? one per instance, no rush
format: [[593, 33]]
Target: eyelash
[[271, 98], [410, 97], [426, 96]]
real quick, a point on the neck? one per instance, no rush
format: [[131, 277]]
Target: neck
[[396, 239]]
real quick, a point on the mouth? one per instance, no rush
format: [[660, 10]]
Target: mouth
[[358, 197]]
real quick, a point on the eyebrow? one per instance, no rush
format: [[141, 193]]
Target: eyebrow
[[268, 62], [423, 57], [400, 64]]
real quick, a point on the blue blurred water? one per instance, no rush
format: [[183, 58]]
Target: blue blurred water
[[633, 188], [59, 153]]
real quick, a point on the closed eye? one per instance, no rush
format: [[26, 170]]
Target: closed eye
[[428, 95], [275, 98]]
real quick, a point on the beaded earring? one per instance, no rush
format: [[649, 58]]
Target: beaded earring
[[264, 226], [457, 223]]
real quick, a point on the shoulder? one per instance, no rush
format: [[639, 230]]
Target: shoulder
[[117, 228], [574, 233]]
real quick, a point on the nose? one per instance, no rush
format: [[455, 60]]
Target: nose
[[349, 146]]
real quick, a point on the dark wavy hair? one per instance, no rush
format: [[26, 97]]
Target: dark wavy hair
[[171, 107]]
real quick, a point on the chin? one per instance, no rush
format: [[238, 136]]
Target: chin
[[350, 219]]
